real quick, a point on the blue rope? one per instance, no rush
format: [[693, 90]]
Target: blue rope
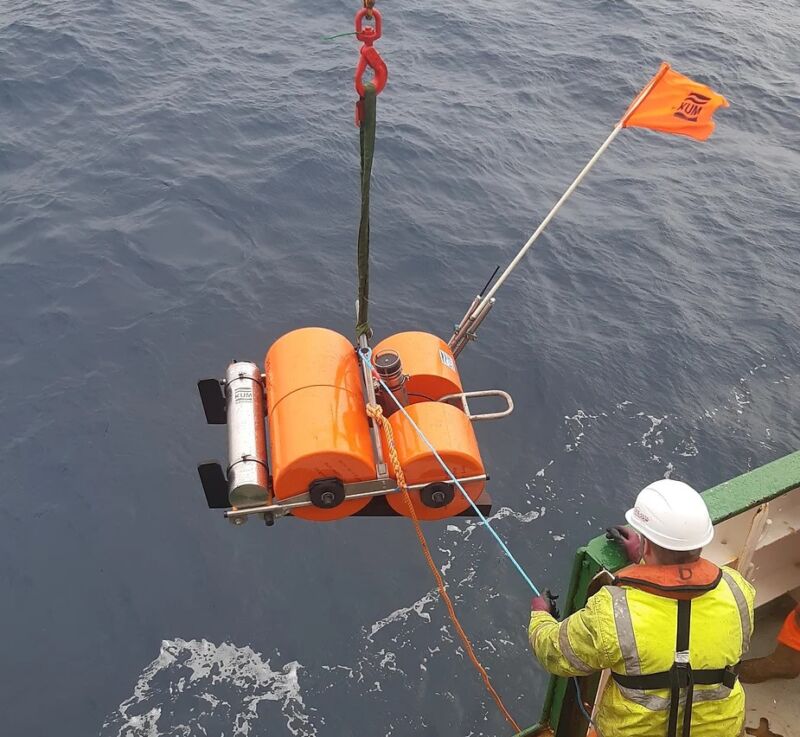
[[367, 355], [582, 708]]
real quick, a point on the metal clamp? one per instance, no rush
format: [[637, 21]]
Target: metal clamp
[[462, 397]]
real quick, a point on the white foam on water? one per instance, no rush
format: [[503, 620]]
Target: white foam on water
[[576, 425], [389, 661], [446, 567], [347, 669], [173, 695], [654, 435], [687, 447], [402, 614], [542, 470], [524, 517]]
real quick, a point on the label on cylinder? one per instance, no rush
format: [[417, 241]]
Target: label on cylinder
[[447, 359], [242, 395]]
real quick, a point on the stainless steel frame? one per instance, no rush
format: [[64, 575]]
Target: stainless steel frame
[[357, 490], [462, 397]]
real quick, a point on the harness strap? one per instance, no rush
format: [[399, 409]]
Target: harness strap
[[652, 681], [681, 673], [674, 702], [687, 709]]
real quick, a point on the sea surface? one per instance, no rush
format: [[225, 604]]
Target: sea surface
[[179, 185]]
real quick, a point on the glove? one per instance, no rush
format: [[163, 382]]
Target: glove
[[546, 603], [628, 539]]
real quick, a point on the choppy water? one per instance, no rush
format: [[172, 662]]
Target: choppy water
[[179, 185]]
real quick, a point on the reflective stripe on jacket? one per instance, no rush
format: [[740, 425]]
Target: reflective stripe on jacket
[[633, 632]]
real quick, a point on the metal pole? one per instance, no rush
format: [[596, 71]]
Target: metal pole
[[381, 468], [467, 325]]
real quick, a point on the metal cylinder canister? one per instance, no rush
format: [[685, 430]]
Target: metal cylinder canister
[[318, 426], [427, 362], [389, 368], [248, 472], [449, 431]]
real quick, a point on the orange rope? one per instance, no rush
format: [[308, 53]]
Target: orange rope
[[376, 413]]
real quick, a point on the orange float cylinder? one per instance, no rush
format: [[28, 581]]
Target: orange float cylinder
[[427, 361], [317, 424], [450, 432]]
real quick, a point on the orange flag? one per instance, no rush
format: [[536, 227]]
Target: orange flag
[[672, 103]]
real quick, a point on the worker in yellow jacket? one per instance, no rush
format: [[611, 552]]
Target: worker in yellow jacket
[[672, 628]]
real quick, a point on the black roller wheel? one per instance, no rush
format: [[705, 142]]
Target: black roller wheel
[[437, 494], [326, 493]]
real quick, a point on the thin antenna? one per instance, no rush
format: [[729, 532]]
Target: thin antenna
[[491, 279]]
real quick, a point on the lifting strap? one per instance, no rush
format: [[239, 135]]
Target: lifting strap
[[366, 117]]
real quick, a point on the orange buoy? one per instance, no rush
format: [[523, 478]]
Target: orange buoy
[[317, 425], [450, 432], [427, 361]]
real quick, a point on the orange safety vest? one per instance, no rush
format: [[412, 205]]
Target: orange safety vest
[[790, 632], [682, 582]]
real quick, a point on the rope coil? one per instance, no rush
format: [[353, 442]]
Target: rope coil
[[376, 413]]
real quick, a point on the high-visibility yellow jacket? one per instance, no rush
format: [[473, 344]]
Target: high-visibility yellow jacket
[[631, 629]]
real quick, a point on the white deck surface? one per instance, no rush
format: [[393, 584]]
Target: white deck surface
[[777, 700]]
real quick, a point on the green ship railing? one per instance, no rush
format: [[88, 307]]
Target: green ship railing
[[560, 712]]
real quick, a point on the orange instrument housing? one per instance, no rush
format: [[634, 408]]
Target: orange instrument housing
[[450, 432], [427, 361], [317, 424]]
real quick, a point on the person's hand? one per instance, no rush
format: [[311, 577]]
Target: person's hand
[[546, 603], [628, 539]]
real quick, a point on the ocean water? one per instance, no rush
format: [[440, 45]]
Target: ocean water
[[179, 186]]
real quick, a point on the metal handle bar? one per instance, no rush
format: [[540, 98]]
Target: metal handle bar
[[464, 396]]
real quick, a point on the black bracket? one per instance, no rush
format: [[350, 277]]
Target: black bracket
[[213, 398], [215, 485]]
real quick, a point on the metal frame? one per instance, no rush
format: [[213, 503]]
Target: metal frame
[[212, 474], [560, 713], [467, 330], [356, 490], [464, 396], [381, 469]]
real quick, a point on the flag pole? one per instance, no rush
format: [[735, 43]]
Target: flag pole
[[465, 330]]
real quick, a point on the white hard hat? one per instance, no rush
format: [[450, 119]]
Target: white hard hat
[[673, 515]]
